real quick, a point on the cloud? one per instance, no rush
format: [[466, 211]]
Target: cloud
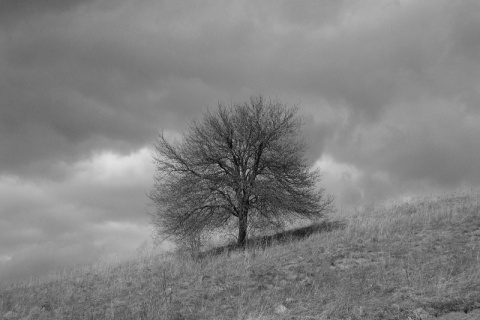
[[93, 79], [13, 11], [425, 146], [99, 209]]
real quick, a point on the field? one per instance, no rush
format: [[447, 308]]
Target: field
[[409, 260]]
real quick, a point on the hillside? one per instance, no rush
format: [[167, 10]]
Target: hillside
[[415, 260]]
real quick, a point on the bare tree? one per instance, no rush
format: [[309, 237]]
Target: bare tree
[[243, 162]]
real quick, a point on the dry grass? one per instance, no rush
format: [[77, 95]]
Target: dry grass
[[392, 262]]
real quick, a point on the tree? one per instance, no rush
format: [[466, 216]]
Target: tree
[[243, 162]]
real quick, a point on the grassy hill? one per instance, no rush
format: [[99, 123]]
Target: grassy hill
[[419, 259]]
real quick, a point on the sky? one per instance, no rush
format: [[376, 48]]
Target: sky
[[390, 92]]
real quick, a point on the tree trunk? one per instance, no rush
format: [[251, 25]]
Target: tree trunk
[[242, 229]]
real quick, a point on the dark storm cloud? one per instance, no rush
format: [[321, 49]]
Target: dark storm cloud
[[19, 7], [409, 86], [17, 11], [76, 83], [56, 108], [112, 77]]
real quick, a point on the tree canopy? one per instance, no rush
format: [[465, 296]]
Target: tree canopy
[[243, 162]]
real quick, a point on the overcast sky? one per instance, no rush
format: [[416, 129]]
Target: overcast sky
[[390, 90]]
